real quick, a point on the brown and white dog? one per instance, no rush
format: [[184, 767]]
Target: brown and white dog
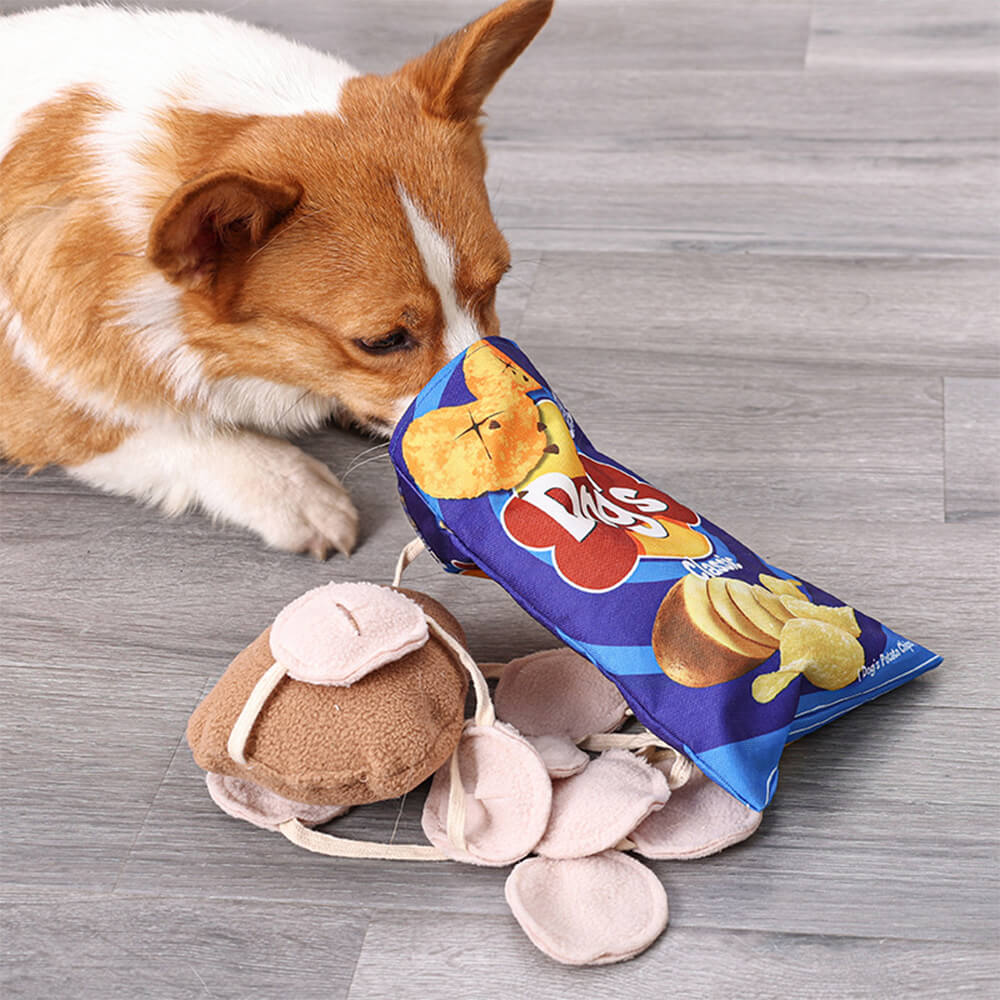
[[210, 235]]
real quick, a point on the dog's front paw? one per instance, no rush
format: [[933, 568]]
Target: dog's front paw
[[296, 503]]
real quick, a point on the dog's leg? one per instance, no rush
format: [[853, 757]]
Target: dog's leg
[[269, 486]]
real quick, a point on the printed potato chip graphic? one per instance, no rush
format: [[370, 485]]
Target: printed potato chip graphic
[[767, 687], [489, 373], [829, 657], [459, 452], [788, 588], [693, 645], [843, 616]]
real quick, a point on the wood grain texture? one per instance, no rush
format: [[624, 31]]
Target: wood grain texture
[[913, 34], [120, 949], [972, 448], [403, 955], [755, 250]]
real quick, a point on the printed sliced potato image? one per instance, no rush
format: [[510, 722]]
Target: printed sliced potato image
[[693, 645], [726, 608], [842, 616], [743, 597], [829, 657], [771, 603]]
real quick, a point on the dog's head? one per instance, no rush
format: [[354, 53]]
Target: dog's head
[[352, 254]]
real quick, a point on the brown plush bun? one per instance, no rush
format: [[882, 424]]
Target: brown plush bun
[[693, 645], [376, 739]]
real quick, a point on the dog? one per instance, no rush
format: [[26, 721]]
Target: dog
[[212, 237]]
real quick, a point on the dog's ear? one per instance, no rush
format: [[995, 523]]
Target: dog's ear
[[458, 73], [215, 223]]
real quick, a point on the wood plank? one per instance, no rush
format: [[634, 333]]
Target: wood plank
[[710, 313], [972, 448], [738, 128], [119, 949], [407, 958], [85, 749], [917, 34], [618, 202]]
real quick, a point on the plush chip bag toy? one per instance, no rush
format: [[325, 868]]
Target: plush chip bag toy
[[722, 655]]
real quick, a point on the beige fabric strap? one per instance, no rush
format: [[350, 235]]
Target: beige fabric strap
[[485, 715], [410, 552], [681, 768], [341, 847], [269, 680]]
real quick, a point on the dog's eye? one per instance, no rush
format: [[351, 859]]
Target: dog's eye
[[395, 340]]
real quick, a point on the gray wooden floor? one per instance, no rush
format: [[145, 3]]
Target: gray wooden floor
[[756, 252]]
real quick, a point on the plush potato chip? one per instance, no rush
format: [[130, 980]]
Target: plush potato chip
[[843, 616], [829, 657], [458, 452], [489, 374], [771, 603], [791, 588], [767, 687]]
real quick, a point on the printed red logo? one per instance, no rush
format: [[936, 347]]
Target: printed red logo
[[598, 525]]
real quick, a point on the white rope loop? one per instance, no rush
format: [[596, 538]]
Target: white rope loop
[[341, 847], [240, 733], [656, 749], [410, 552]]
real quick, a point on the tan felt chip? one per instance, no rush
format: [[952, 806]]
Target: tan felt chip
[[726, 608], [508, 798], [829, 657], [701, 818], [597, 808], [588, 911], [562, 757], [842, 616], [558, 692], [338, 633], [259, 805], [744, 599]]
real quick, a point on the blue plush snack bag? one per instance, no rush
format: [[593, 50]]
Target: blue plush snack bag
[[720, 654]]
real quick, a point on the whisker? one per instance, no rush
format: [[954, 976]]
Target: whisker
[[359, 459], [292, 406], [367, 451], [367, 461]]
